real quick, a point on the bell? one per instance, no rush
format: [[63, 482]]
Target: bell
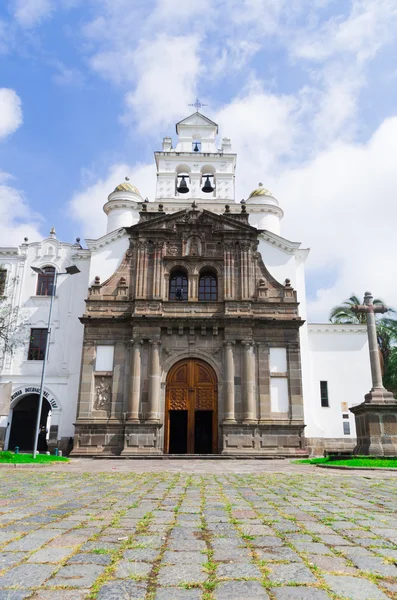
[[196, 148], [182, 188], [207, 188]]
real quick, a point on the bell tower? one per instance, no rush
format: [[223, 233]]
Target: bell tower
[[195, 169]]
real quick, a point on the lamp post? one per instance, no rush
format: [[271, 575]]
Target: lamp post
[[73, 270]]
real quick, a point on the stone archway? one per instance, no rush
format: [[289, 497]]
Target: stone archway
[[191, 409], [23, 423]]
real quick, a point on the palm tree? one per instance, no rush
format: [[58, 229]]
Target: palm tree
[[343, 313], [386, 329]]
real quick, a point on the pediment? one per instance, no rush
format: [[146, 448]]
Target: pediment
[[197, 120], [188, 217]]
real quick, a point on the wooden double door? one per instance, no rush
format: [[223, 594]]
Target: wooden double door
[[191, 419]]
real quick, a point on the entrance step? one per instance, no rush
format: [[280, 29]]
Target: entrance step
[[193, 456]]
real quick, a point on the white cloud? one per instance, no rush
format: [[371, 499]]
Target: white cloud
[[86, 205], [30, 13], [10, 112], [67, 76], [17, 220]]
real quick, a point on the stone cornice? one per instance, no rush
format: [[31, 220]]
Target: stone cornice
[[279, 242], [336, 328], [105, 240]]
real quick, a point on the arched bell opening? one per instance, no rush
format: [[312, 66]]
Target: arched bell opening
[[23, 424], [208, 179], [182, 179], [191, 408]]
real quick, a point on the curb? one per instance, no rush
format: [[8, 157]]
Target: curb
[[347, 468], [31, 465]]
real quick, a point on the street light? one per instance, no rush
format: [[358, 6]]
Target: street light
[[72, 270]]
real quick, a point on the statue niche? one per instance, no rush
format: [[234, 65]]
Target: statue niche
[[193, 246]]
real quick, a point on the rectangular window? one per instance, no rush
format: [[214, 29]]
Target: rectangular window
[[3, 279], [279, 400], [324, 394], [104, 358], [278, 360], [346, 416], [38, 340], [346, 428]]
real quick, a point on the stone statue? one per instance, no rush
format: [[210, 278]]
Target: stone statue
[[102, 395], [194, 247]]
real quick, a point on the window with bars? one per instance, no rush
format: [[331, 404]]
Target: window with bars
[[3, 279], [178, 286], [208, 287], [45, 282], [324, 394], [38, 340]]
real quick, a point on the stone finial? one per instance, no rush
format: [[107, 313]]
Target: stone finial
[[194, 205], [126, 178], [243, 208], [53, 232], [287, 283], [78, 240], [161, 208], [227, 208], [144, 208], [26, 240], [242, 201], [97, 280]]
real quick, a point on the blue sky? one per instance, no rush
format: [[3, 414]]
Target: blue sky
[[306, 89]]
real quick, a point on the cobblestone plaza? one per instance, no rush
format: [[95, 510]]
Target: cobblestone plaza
[[175, 530]]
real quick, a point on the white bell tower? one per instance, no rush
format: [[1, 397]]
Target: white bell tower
[[195, 163]]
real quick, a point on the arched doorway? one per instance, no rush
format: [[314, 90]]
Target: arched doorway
[[23, 424], [191, 420]]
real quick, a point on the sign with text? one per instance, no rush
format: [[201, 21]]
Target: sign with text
[[23, 391]]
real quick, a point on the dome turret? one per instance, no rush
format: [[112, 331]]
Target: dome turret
[[264, 210], [260, 191], [122, 207]]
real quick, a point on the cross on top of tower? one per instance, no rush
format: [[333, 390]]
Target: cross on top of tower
[[198, 104]]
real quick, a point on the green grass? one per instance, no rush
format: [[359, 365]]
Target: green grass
[[10, 457], [359, 461]]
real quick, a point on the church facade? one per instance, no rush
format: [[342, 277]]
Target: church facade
[[193, 334]]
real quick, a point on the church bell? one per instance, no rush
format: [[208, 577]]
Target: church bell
[[207, 187], [196, 148], [182, 187]]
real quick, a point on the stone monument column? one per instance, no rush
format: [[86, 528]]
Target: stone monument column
[[229, 384], [135, 382], [154, 381], [376, 417], [249, 412]]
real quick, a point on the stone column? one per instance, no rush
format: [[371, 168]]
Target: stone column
[[229, 384], [135, 382], [264, 382], [193, 287], [154, 381], [249, 412], [141, 270], [157, 268], [244, 271]]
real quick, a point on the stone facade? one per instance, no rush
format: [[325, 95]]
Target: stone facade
[[150, 333]]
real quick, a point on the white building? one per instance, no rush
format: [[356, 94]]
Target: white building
[[334, 358]]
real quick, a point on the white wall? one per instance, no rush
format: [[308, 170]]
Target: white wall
[[339, 355], [106, 256]]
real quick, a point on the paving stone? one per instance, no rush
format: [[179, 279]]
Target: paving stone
[[266, 541], [126, 568], [238, 590], [143, 554], [26, 576], [8, 559], [299, 593], [122, 590], [61, 595], [354, 588], [237, 571], [90, 557], [278, 554], [14, 594], [188, 558], [232, 554], [288, 573], [177, 574], [49, 555], [375, 565], [76, 575], [175, 594], [312, 548], [331, 563]]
